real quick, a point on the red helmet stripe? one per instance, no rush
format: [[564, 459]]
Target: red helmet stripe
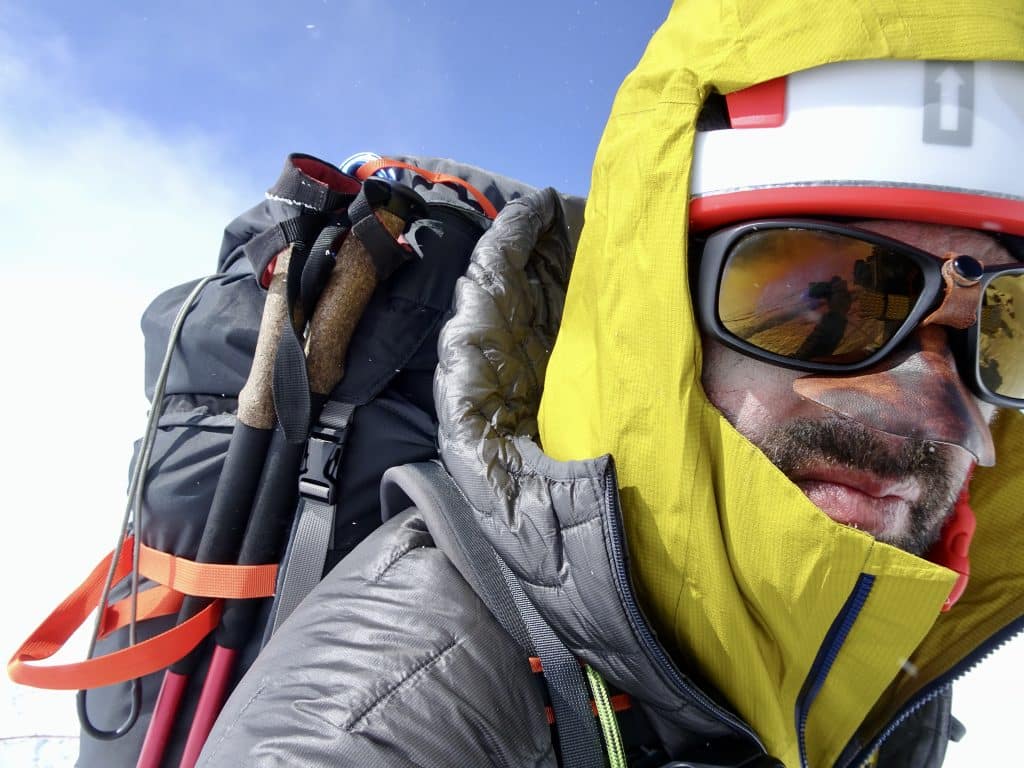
[[961, 209]]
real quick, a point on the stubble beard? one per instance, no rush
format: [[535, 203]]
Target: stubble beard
[[843, 443]]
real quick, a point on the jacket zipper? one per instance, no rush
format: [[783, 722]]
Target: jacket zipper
[[938, 686], [826, 656], [639, 623]]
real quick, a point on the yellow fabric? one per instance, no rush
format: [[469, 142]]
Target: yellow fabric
[[740, 573]]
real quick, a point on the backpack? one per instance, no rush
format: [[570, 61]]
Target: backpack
[[390, 242]]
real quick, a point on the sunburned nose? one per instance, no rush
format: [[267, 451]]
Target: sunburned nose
[[915, 392]]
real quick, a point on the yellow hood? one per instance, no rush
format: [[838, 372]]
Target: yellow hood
[[741, 575]]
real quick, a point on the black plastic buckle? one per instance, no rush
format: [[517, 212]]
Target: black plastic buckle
[[321, 466]]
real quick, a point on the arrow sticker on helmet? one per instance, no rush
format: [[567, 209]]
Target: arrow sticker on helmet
[[948, 103]]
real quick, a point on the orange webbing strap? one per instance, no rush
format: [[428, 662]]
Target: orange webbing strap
[[366, 170], [232, 582], [178, 577], [153, 603], [151, 655]]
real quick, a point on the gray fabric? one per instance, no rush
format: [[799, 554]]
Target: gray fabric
[[580, 742], [449, 518], [392, 661], [303, 564], [214, 352], [550, 521]]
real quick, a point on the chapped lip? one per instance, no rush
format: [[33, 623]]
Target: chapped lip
[[907, 489]]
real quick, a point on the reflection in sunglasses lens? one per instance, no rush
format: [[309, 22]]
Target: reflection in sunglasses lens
[[816, 296], [1000, 362]]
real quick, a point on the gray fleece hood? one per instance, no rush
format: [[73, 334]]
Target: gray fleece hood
[[556, 524]]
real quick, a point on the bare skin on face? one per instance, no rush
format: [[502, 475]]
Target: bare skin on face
[[864, 473]]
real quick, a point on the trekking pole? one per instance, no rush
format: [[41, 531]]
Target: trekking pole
[[380, 211], [232, 498]]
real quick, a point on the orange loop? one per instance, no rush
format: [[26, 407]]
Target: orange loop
[[139, 660], [366, 170], [176, 575]]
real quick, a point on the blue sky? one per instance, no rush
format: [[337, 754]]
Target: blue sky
[[522, 88], [131, 133]]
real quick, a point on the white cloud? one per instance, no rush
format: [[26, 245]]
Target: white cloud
[[100, 211]]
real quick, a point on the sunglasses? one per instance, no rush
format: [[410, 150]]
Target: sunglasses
[[823, 297]]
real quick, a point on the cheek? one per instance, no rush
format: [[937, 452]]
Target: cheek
[[753, 396]]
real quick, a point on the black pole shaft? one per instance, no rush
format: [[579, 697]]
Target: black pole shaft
[[229, 511]]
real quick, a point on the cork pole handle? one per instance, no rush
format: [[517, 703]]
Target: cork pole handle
[[341, 304], [256, 400]]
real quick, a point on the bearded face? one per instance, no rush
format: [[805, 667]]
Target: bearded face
[[862, 472]]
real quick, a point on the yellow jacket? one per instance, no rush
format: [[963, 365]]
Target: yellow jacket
[[742, 576]]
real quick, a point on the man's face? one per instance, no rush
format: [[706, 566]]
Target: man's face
[[898, 489]]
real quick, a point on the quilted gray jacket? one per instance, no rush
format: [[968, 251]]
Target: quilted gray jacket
[[395, 660]]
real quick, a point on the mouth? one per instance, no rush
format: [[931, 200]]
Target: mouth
[[859, 499]]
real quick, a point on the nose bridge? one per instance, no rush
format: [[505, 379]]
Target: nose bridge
[[916, 392], [962, 296]]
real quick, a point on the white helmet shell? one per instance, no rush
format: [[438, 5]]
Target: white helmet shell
[[933, 141]]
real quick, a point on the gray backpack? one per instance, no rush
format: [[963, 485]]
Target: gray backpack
[[283, 387]]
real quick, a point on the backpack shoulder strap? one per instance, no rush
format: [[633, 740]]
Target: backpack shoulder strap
[[450, 518]]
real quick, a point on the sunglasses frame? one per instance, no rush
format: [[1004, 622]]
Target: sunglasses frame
[[718, 246]]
